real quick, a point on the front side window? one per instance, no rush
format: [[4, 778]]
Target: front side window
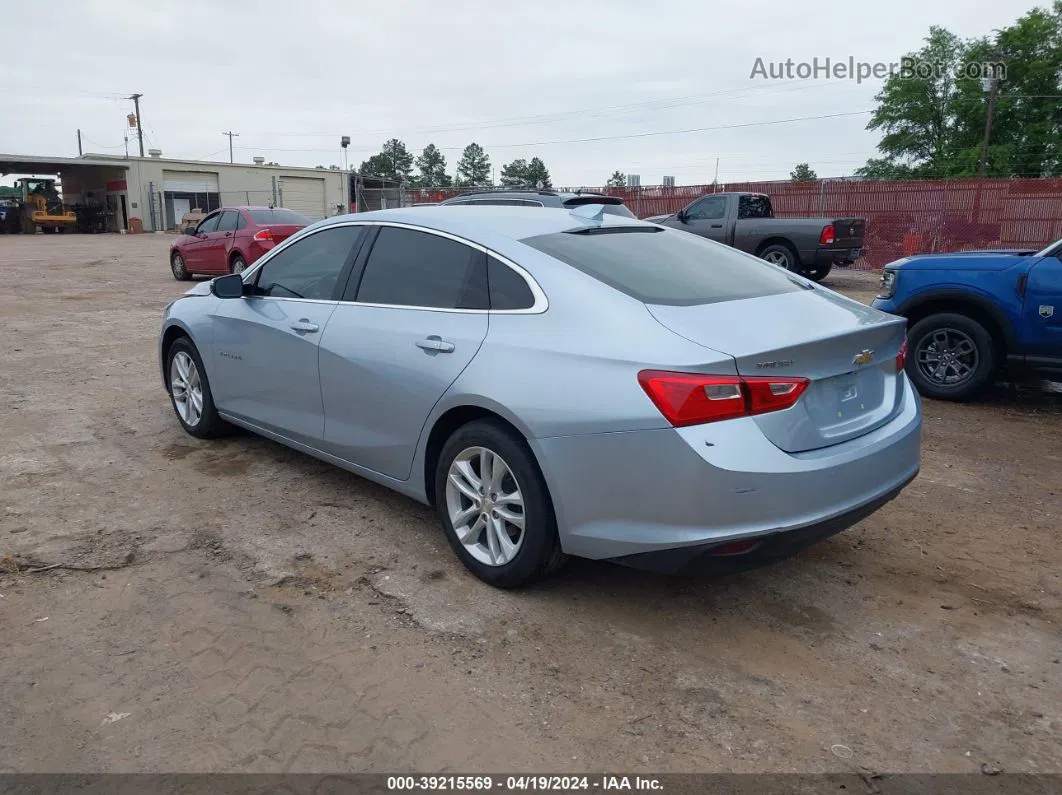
[[710, 208], [418, 269], [208, 224], [309, 267], [665, 267], [228, 221]]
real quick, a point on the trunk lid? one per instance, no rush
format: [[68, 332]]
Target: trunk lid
[[281, 232], [848, 232], [846, 349]]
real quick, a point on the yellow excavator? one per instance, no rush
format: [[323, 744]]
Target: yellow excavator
[[42, 207]]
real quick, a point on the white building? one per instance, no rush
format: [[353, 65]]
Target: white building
[[159, 191]]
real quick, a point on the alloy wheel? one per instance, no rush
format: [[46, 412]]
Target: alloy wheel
[[777, 258], [947, 356], [186, 387], [485, 506]]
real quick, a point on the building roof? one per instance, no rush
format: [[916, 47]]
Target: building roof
[[31, 164]]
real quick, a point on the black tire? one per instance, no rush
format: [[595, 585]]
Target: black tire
[[238, 264], [818, 272], [539, 553], [970, 346], [781, 255], [178, 267], [209, 424]]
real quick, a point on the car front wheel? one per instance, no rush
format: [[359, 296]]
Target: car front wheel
[[952, 356], [190, 394], [179, 268], [494, 506]]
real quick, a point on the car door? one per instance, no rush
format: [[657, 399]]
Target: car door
[[707, 218], [216, 253], [1042, 307], [412, 318], [266, 343], [194, 251]]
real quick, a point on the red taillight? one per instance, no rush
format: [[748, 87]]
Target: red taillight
[[264, 236], [692, 398], [901, 357], [827, 237]]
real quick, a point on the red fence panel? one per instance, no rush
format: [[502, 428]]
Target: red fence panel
[[903, 216]]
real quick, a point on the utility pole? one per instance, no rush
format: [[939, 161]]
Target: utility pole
[[231, 135], [139, 128], [990, 84], [715, 180], [79, 152]]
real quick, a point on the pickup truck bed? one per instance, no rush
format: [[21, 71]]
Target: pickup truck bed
[[809, 246]]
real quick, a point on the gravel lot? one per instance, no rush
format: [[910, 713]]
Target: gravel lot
[[233, 606]]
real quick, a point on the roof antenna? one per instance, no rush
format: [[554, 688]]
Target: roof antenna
[[589, 212]]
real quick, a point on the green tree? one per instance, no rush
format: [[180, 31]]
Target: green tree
[[538, 173], [803, 173], [617, 180], [935, 126], [393, 162], [515, 173], [432, 166], [524, 174], [473, 169]]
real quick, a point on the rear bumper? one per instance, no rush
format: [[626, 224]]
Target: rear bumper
[[683, 491], [833, 256]]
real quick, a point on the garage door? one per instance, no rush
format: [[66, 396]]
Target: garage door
[[190, 181], [305, 195]]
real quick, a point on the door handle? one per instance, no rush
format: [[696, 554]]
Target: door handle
[[435, 344], [304, 326], [717, 226]]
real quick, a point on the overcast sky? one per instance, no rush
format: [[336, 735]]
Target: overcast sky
[[523, 79]]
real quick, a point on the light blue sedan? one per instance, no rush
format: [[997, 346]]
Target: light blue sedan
[[558, 383]]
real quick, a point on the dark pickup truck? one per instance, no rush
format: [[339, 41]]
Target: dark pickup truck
[[808, 246]]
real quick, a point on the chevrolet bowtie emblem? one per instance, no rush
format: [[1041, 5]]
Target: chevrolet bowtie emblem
[[863, 357]]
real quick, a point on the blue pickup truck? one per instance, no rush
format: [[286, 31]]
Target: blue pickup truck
[[972, 313]]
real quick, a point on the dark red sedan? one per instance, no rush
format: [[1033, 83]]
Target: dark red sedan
[[230, 239]]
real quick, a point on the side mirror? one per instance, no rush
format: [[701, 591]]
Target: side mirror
[[230, 286], [190, 230], [681, 216]]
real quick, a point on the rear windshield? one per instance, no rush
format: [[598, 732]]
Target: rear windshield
[[666, 267], [279, 215]]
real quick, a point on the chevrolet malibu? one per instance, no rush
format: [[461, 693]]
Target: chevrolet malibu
[[558, 383]]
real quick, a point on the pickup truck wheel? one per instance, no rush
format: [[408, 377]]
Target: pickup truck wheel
[[819, 272], [952, 356], [780, 255]]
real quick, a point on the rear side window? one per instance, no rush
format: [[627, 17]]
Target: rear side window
[[418, 269], [241, 222], [754, 206], [666, 267], [266, 216], [508, 290]]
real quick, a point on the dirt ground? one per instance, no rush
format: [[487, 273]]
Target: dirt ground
[[235, 606]]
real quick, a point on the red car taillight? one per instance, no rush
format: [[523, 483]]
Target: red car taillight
[[828, 236], [901, 357], [263, 236], [692, 399]]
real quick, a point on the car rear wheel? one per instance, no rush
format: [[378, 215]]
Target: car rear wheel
[[494, 506], [819, 272], [193, 403], [239, 264], [780, 255], [177, 265], [952, 356]]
